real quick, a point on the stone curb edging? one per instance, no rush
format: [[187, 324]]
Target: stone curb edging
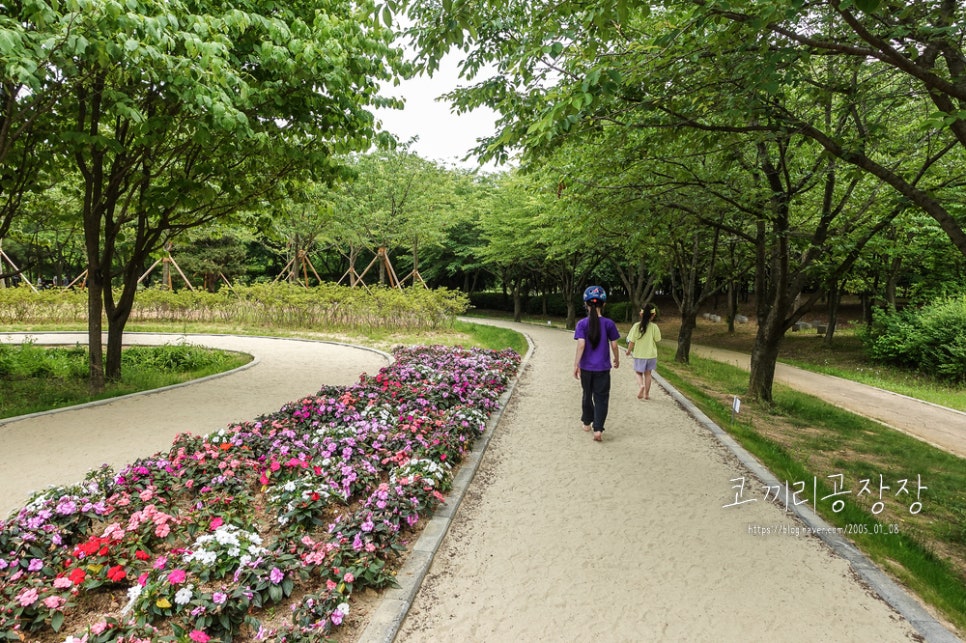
[[888, 590], [388, 617]]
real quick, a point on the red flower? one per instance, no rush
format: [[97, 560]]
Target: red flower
[[116, 574], [142, 555], [77, 576]]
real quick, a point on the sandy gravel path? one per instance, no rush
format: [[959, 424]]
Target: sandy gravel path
[[560, 538], [60, 447]]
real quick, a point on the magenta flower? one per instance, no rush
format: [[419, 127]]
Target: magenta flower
[[199, 636], [276, 575], [176, 576]]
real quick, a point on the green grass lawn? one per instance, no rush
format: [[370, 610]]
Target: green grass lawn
[[37, 378]]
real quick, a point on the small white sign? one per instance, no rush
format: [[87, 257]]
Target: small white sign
[[736, 405]]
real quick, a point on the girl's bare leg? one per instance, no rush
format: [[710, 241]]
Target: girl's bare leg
[[646, 388]]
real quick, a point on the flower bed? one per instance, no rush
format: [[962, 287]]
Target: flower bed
[[297, 509]]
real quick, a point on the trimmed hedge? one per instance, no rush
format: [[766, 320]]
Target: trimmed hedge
[[275, 305]]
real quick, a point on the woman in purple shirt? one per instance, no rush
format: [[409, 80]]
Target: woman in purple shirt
[[596, 337]]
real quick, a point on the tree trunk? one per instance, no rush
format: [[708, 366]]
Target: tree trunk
[[732, 305], [834, 299], [118, 315], [764, 355], [891, 286], [95, 330], [689, 322]]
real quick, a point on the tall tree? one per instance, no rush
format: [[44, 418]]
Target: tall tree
[[180, 114], [566, 68]]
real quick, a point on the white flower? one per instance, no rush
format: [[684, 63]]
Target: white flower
[[344, 608], [225, 537], [203, 556], [183, 596], [289, 486]]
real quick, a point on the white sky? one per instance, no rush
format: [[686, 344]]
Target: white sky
[[443, 136]]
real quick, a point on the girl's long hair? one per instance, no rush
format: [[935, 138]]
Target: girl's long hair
[[593, 323], [646, 313]]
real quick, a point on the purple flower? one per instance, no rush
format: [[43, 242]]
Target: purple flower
[[276, 575]]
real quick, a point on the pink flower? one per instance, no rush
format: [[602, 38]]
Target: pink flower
[[114, 531], [27, 597], [161, 531], [54, 602], [62, 582], [348, 577], [215, 523], [199, 636], [98, 628], [177, 576]]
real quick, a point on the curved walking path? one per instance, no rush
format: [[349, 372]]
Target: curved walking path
[[60, 447], [555, 537]]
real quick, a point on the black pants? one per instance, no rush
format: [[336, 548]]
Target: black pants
[[593, 406]]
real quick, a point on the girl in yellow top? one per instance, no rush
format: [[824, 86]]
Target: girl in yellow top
[[642, 346]]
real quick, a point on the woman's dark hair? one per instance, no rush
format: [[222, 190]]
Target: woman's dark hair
[[593, 322]]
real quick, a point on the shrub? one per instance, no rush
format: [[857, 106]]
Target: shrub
[[931, 339]]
